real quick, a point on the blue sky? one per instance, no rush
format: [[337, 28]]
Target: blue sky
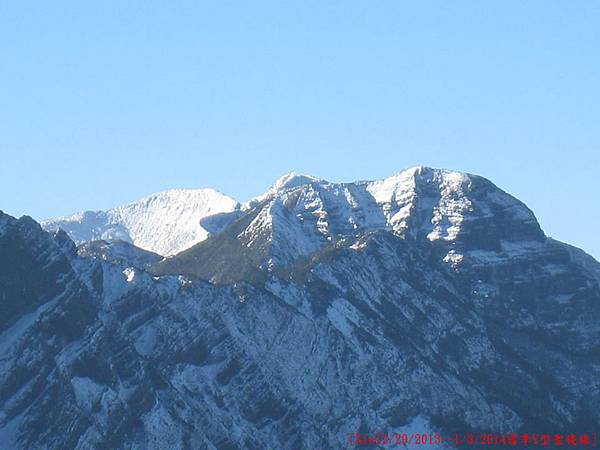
[[104, 102]]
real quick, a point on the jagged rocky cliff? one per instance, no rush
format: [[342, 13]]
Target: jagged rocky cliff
[[429, 302]]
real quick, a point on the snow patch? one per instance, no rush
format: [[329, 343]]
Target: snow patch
[[343, 316], [129, 273], [87, 392]]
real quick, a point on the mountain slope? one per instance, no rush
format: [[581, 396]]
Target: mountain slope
[[430, 302], [455, 213], [118, 251], [165, 223]]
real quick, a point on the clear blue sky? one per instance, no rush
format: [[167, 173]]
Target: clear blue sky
[[104, 102]]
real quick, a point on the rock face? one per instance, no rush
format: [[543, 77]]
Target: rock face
[[164, 223], [119, 252], [449, 212], [427, 302]]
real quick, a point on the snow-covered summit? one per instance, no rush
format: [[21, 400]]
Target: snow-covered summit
[[293, 179], [166, 223], [301, 214], [288, 181]]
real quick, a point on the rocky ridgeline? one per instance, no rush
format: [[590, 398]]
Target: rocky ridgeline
[[428, 302]]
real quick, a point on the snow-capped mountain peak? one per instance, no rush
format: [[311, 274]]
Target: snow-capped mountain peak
[[292, 180], [461, 215], [165, 223], [301, 213], [419, 202], [286, 182]]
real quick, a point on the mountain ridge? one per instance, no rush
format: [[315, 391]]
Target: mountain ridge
[[430, 302], [137, 221], [303, 214]]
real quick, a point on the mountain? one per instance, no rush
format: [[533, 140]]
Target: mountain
[[429, 302], [165, 223], [456, 214], [119, 252]]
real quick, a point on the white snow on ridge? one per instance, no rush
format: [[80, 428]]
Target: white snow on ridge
[[166, 223], [300, 213], [288, 181], [304, 212]]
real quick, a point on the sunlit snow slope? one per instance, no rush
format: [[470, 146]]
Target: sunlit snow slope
[[165, 223]]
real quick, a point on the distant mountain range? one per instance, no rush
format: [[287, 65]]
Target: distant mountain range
[[428, 302]]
